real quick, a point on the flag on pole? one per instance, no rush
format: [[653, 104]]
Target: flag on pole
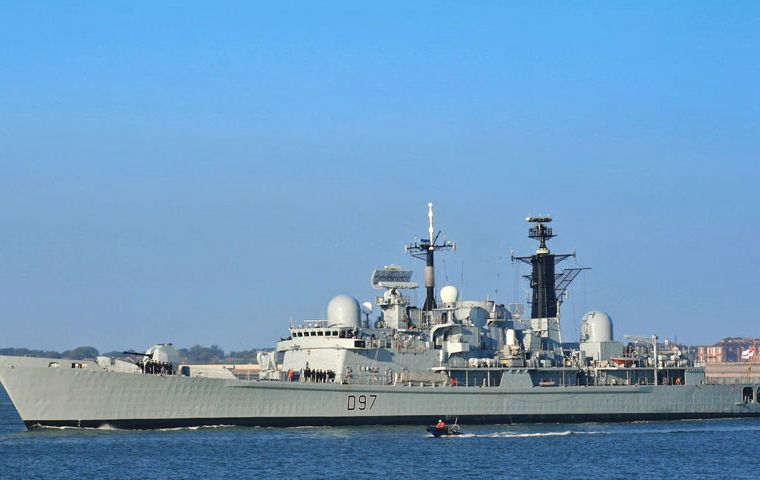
[[749, 353]]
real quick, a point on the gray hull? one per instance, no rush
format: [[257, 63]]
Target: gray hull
[[91, 398]]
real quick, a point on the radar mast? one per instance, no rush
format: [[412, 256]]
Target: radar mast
[[547, 286], [424, 249]]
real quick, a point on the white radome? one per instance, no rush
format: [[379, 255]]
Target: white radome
[[343, 311], [596, 327], [367, 307], [449, 295]]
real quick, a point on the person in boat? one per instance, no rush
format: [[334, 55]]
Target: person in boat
[[440, 425]]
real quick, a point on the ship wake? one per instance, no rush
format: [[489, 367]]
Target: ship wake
[[523, 434]]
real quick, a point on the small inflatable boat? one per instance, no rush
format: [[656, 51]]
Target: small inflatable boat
[[447, 431]]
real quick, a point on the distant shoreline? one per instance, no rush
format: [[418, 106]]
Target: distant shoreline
[[195, 354]]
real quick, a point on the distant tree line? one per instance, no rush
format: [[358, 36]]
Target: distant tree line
[[79, 353], [25, 352], [194, 354], [214, 354], [199, 354]]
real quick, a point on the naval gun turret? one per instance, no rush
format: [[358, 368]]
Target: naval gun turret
[[160, 359]]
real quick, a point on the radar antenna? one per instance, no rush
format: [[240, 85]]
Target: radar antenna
[[540, 232], [424, 249]]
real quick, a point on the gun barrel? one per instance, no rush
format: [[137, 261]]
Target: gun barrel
[[138, 353]]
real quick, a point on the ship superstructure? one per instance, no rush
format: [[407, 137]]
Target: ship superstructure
[[449, 357], [467, 342]]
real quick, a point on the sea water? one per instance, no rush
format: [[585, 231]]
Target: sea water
[[675, 450]]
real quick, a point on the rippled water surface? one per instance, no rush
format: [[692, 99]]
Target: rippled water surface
[[685, 449]]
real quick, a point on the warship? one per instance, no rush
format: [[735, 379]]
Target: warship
[[477, 361]]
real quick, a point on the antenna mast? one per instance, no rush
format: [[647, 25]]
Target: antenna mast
[[424, 249], [547, 286]]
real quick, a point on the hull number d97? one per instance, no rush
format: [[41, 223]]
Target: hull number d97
[[360, 402]]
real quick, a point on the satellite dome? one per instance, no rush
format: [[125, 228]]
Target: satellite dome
[[367, 307], [449, 294], [343, 311], [596, 327]]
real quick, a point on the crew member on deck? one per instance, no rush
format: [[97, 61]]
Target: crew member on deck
[[440, 425]]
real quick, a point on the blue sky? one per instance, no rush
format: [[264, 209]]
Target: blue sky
[[177, 171]]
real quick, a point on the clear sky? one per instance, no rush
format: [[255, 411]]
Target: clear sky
[[204, 172]]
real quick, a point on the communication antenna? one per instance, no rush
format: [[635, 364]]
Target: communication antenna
[[424, 249]]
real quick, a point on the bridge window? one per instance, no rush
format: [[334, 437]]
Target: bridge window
[[328, 333], [313, 334], [758, 395], [747, 394], [321, 333]]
